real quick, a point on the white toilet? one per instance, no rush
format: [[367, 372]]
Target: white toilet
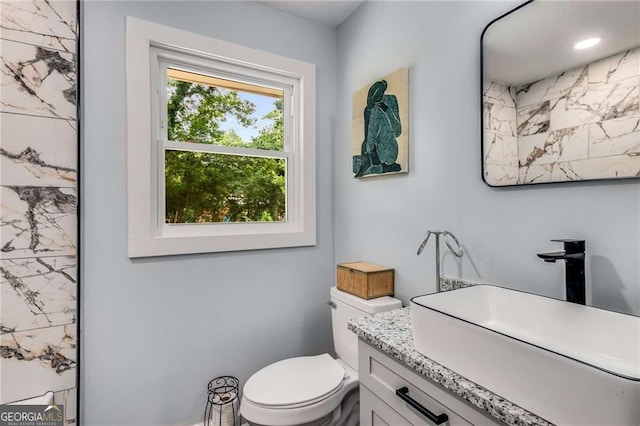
[[315, 390]]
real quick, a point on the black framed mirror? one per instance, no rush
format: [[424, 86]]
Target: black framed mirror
[[561, 93]]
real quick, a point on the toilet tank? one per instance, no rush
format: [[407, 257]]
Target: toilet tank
[[345, 307]]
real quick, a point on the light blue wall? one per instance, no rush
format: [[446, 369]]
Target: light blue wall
[[383, 220], [155, 331]]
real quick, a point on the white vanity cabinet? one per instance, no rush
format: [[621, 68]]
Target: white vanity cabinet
[[381, 376]]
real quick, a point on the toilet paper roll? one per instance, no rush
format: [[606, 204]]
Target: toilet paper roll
[[225, 410]]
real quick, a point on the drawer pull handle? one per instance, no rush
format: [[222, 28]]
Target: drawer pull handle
[[403, 393]]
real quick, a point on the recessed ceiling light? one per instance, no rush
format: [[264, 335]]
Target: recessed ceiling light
[[585, 44]]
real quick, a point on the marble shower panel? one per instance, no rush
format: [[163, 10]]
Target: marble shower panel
[[36, 361], [37, 221], [37, 151], [50, 24], [37, 81], [37, 293], [38, 201]]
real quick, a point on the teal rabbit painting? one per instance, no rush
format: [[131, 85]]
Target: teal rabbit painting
[[380, 124]]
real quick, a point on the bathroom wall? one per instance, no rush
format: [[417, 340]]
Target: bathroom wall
[[38, 190], [583, 123], [156, 330], [383, 220]]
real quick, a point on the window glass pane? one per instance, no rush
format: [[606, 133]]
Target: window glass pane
[[206, 187], [212, 110]]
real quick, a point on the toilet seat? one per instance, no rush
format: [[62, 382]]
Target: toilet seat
[[295, 382], [259, 413]]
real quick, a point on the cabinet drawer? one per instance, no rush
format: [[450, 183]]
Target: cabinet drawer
[[383, 376], [374, 411]]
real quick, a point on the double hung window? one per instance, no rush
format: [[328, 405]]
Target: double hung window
[[221, 154]]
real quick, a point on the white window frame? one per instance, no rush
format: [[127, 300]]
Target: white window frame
[[163, 58], [149, 48]]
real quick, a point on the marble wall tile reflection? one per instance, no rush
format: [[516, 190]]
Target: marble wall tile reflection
[[493, 147], [617, 166], [574, 83], [550, 147], [51, 24], [496, 93], [615, 137], [615, 68], [603, 102], [564, 122], [510, 151], [500, 119], [35, 361], [617, 99], [37, 292], [37, 221], [499, 175], [535, 173], [37, 81], [499, 142], [533, 119], [571, 143], [534, 149], [37, 151], [500, 149]]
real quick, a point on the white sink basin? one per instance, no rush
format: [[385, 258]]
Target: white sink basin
[[568, 363]]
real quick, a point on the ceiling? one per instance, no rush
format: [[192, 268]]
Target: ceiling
[[532, 43], [537, 40], [327, 12]]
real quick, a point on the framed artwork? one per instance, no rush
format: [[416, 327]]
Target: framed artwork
[[380, 142]]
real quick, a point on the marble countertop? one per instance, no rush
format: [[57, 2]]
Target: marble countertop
[[391, 332]]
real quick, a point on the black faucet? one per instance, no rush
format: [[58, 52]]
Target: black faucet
[[573, 255]]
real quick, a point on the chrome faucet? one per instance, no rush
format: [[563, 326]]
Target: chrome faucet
[[456, 249], [573, 255]]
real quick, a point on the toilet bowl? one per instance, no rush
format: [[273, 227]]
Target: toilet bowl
[[314, 390]]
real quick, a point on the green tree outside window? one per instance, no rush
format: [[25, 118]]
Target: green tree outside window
[[204, 187]]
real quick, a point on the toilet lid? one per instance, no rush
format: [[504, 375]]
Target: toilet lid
[[295, 381]]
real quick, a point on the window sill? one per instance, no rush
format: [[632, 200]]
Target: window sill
[[173, 245]]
